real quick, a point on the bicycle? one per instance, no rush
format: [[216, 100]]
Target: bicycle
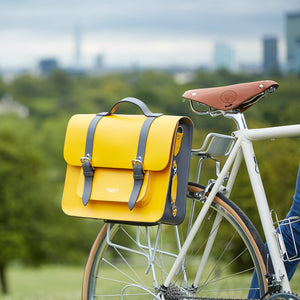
[[198, 259]]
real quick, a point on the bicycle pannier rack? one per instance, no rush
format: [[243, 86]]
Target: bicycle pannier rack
[[127, 168]]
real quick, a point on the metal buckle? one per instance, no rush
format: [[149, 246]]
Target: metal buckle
[[87, 167], [138, 171], [85, 159]]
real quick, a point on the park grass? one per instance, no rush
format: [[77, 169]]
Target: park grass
[[44, 283], [61, 283]]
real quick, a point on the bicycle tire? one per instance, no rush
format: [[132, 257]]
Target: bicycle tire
[[112, 270]]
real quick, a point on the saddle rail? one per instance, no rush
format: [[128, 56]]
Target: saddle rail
[[231, 98]]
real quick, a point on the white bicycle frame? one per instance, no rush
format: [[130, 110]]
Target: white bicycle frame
[[243, 148]]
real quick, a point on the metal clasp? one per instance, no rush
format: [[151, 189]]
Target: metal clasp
[[87, 167], [138, 171]]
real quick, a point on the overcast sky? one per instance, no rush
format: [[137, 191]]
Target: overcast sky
[[151, 33]]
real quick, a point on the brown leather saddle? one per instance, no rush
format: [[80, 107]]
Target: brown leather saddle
[[232, 97]]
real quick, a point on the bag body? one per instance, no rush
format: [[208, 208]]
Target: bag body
[[127, 168]]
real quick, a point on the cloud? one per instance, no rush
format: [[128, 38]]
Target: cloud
[[192, 16], [145, 30]]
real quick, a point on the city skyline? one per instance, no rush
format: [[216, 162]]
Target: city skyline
[[139, 33]]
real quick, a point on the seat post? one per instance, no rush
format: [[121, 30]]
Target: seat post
[[238, 118]]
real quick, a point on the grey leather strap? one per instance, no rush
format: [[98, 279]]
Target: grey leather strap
[[138, 173], [88, 170]]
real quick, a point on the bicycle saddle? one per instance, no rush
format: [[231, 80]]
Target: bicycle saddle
[[238, 96]]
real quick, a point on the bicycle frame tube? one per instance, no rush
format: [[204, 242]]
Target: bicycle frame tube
[[264, 213], [270, 132], [244, 142]]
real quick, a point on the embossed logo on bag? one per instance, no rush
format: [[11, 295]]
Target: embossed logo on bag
[[112, 190]]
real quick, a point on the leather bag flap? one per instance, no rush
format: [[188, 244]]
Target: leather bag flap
[[116, 141]]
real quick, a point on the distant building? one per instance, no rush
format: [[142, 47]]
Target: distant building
[[77, 48], [48, 65], [270, 53], [223, 56], [293, 41], [99, 65], [297, 56]]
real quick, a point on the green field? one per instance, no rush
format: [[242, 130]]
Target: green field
[[58, 283], [44, 283]]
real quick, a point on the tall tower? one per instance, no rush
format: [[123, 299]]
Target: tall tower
[[293, 41], [77, 48], [270, 60]]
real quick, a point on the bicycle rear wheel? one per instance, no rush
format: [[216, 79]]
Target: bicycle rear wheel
[[132, 262]]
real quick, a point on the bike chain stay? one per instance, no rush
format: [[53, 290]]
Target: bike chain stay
[[176, 293], [283, 295]]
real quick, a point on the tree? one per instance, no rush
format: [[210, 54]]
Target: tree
[[32, 225], [20, 182], [2, 88]]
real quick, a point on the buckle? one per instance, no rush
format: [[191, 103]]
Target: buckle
[[88, 170], [138, 171]]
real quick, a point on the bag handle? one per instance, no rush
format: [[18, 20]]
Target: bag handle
[[141, 105]]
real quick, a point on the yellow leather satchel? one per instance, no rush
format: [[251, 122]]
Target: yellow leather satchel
[[127, 168]]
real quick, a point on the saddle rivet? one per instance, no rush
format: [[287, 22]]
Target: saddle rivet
[[261, 86]]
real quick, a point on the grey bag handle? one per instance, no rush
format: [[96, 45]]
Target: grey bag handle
[[143, 107]]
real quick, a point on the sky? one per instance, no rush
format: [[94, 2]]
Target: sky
[[138, 32]]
